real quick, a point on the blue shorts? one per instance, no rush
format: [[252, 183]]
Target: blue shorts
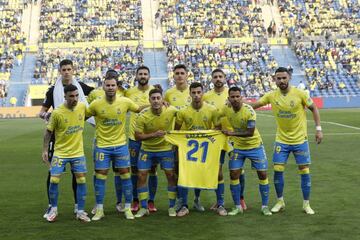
[[118, 154], [148, 159], [301, 153], [78, 165], [257, 157], [134, 149]]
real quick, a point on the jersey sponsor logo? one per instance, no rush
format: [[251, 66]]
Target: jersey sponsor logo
[[286, 114], [73, 129], [111, 122]]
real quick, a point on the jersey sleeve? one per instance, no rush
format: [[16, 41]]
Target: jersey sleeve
[[306, 99], [132, 106], [140, 124], [49, 99], [179, 117], [265, 99], [52, 122], [90, 111], [86, 88]]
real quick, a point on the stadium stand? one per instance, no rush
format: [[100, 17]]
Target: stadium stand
[[210, 19], [90, 63], [320, 18], [96, 20], [331, 68], [12, 41], [247, 65]]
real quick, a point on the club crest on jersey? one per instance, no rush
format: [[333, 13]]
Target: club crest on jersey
[[174, 99], [80, 117], [118, 111], [205, 119], [66, 120], [292, 104]]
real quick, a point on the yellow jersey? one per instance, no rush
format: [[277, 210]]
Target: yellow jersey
[[148, 122], [290, 115], [100, 93], [219, 101], [202, 119], [199, 154], [68, 126], [141, 98], [216, 99], [110, 120], [240, 121], [178, 98]]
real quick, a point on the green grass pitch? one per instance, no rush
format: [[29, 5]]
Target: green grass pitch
[[335, 192]]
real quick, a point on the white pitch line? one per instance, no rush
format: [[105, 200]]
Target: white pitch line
[[333, 123]]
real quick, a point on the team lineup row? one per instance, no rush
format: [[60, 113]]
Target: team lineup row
[[151, 140]]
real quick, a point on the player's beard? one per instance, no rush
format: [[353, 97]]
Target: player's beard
[[219, 84], [143, 82], [283, 86]]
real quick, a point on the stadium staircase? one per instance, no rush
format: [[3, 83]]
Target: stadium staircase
[[156, 60], [285, 56], [20, 79]]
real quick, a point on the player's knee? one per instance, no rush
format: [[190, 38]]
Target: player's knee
[[80, 180], [55, 180], [142, 175], [235, 174], [262, 175], [279, 168], [220, 177], [153, 170]]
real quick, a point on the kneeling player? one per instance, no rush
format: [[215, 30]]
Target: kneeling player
[[151, 126], [67, 121], [247, 144]]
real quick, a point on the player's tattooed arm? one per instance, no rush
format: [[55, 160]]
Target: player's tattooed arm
[[45, 154]]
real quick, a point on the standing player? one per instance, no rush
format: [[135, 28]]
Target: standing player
[[67, 123], [218, 97], [140, 95], [110, 116], [197, 116], [151, 126], [99, 93], [178, 96], [55, 97], [288, 105], [247, 144]]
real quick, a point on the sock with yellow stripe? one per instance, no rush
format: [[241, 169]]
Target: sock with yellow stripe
[[172, 195], [143, 193], [118, 187], [153, 183], [235, 191], [81, 192], [305, 183], [183, 195], [134, 179], [99, 186], [220, 193], [242, 184], [127, 187], [264, 191], [279, 180], [54, 191]]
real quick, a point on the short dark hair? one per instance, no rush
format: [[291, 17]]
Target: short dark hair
[[180, 66], [196, 85], [282, 69], [234, 89], [111, 78], [141, 68], [111, 73], [66, 62], [155, 90], [217, 70], [70, 88]]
